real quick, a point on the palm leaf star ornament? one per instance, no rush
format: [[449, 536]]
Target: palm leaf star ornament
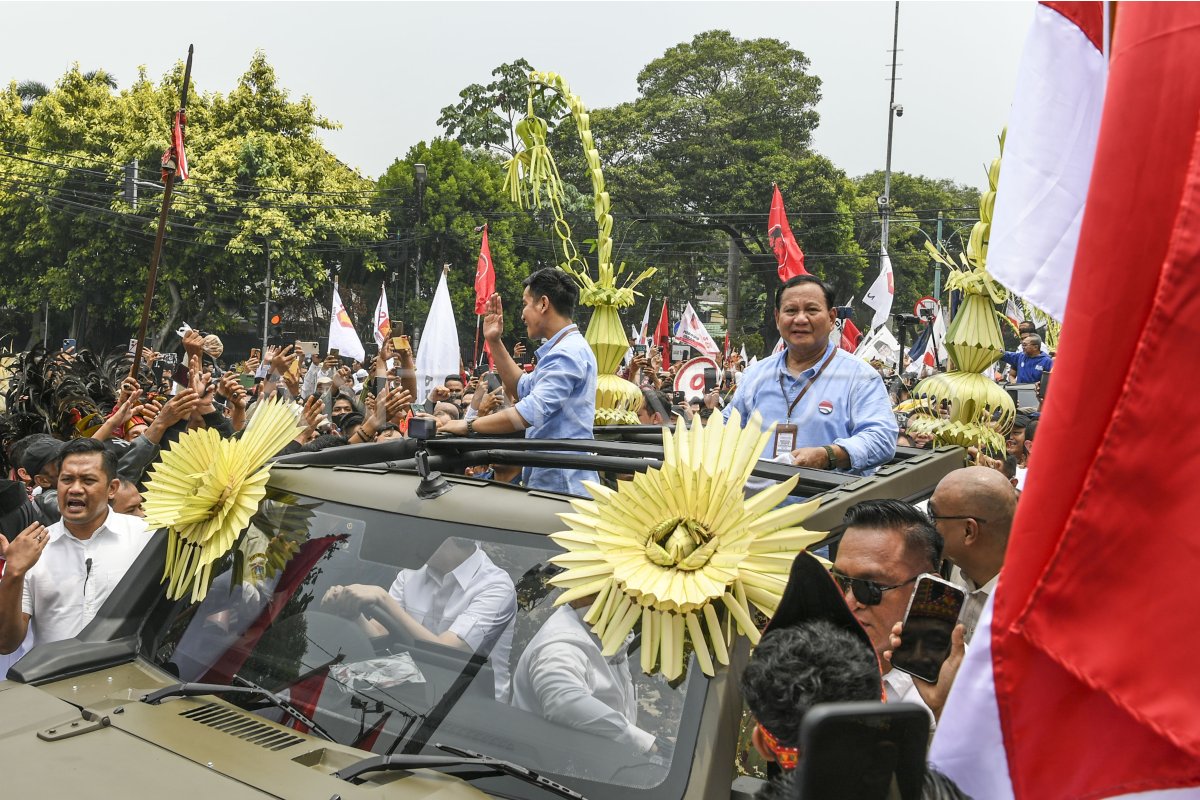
[[679, 543], [205, 489]]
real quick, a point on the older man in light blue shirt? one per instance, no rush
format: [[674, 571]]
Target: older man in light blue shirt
[[558, 399], [838, 404]]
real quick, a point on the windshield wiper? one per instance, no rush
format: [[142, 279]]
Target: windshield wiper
[[460, 758], [247, 687]]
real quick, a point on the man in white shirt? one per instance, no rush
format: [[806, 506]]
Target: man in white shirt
[[58, 577], [973, 510], [459, 599], [886, 545], [563, 677]]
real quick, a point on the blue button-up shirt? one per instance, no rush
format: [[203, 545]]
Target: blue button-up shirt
[[1029, 368], [558, 400], [847, 406]]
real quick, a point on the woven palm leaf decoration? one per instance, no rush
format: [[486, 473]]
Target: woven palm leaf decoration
[[678, 544], [205, 489]]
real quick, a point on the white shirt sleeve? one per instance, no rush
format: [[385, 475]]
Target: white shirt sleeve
[[558, 674], [487, 614]]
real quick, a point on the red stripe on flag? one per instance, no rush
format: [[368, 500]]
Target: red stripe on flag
[[1092, 633], [1088, 17]]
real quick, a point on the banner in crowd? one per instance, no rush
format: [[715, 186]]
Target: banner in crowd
[[883, 290], [691, 331], [1077, 682], [383, 321], [1048, 153], [437, 354], [342, 335]]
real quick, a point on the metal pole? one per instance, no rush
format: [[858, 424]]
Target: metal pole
[[152, 278], [46, 327], [267, 300], [937, 265], [887, 170]]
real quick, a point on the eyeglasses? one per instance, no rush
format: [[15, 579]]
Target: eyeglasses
[[934, 516], [867, 592]]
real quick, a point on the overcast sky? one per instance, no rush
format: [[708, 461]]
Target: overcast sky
[[384, 69]]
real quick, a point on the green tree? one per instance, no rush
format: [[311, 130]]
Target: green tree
[[464, 190], [486, 116]]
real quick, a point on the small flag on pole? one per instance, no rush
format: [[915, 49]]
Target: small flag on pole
[[783, 242], [342, 335], [383, 322]]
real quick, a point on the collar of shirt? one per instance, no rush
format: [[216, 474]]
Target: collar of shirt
[[784, 372], [59, 529], [464, 572], [555, 339], [973, 587]]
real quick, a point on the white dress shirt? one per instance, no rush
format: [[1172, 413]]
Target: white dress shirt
[[562, 677], [476, 601], [976, 599], [898, 687], [62, 593]]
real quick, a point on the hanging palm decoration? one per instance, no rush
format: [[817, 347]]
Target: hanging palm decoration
[[205, 490], [680, 550], [533, 180]]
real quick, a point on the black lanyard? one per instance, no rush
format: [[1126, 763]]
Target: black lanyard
[[807, 386]]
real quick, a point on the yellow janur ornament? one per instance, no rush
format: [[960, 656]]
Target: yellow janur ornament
[[674, 545], [205, 489]]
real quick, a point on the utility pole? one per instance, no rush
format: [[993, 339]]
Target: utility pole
[[732, 275], [885, 200], [267, 299], [937, 265]]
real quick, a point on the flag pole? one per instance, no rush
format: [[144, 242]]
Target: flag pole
[[156, 254]]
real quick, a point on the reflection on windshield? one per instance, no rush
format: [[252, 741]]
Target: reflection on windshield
[[394, 632]]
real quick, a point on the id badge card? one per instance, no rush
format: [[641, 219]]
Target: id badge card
[[785, 438]]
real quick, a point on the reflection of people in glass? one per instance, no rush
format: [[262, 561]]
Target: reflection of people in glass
[[459, 599], [563, 677]]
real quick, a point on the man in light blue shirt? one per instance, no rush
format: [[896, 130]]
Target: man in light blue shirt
[[558, 399], [838, 404]]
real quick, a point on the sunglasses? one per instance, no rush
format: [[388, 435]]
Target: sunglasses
[[867, 592]]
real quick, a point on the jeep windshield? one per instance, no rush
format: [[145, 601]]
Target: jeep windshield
[[396, 633]]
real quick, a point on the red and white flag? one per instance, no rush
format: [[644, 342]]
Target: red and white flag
[[783, 241], [382, 328], [642, 336], [342, 335], [879, 296], [1079, 685], [485, 275], [1048, 153], [1013, 311], [693, 333], [662, 335]]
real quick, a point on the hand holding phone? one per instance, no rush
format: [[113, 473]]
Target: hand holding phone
[[928, 627]]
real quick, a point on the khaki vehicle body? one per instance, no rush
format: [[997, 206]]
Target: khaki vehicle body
[[73, 723]]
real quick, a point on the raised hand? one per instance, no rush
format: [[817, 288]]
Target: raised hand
[[493, 319]]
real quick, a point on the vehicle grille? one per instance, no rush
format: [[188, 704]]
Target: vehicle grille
[[242, 726]]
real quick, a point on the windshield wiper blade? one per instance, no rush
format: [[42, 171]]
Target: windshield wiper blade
[[460, 758], [247, 687]]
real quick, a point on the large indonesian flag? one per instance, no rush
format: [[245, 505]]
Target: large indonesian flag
[[1080, 680], [1048, 154]]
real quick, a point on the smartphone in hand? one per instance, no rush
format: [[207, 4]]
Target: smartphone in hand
[[710, 379], [929, 622]]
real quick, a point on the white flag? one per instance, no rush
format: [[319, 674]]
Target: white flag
[[693, 333], [383, 322], [438, 353], [745, 359], [882, 291], [342, 336], [645, 331]]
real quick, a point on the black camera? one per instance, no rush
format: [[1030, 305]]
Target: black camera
[[422, 428]]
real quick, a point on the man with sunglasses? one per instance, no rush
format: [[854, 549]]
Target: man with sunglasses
[[885, 546], [973, 510]]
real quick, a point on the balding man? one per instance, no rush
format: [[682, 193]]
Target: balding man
[[973, 509]]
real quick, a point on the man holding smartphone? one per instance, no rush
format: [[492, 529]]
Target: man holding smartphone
[[558, 399]]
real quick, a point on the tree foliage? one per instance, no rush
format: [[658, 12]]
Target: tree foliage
[[260, 178]]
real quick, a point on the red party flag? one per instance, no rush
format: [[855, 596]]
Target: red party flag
[[787, 252], [485, 275], [662, 336]]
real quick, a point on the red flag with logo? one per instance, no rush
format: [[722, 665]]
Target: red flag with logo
[[851, 336], [175, 157], [1076, 684], [662, 336], [485, 275], [779, 233]]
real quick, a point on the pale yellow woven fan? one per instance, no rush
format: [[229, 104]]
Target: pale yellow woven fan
[[674, 545], [205, 489]]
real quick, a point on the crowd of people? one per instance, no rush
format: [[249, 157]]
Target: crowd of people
[[71, 504]]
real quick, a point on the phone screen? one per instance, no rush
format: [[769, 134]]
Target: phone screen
[[493, 382], [932, 614], [639, 349]]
